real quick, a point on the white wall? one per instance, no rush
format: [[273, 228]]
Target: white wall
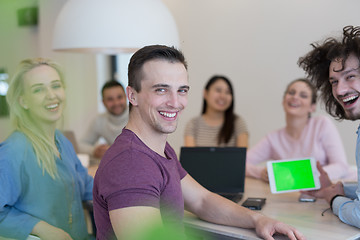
[[16, 43], [80, 72], [256, 43]]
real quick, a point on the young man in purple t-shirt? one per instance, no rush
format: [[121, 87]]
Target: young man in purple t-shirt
[[140, 180]]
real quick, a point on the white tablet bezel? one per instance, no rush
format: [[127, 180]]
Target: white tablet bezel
[[315, 175]]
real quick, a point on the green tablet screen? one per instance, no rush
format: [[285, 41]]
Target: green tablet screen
[[293, 175]]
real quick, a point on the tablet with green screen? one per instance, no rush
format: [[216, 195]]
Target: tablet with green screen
[[292, 175]]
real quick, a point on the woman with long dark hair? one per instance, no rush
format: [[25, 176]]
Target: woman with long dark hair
[[218, 125]]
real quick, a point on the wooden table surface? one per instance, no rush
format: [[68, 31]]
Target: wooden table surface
[[305, 216]]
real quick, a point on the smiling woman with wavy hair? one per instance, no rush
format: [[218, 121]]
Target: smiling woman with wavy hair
[[42, 181], [303, 136]]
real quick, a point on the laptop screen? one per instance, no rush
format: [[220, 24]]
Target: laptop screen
[[218, 169]]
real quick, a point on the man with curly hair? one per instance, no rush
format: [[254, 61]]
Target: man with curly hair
[[334, 68]]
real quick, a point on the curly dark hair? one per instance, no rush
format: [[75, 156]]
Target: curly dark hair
[[317, 62]]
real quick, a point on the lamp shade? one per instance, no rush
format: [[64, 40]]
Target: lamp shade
[[113, 26]]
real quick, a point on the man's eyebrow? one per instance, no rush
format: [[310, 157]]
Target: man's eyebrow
[[161, 85], [342, 73], [185, 86], [348, 71]]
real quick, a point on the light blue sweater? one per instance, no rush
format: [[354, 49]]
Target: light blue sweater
[[348, 208], [27, 195]]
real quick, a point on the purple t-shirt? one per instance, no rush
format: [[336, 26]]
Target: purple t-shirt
[[131, 174]]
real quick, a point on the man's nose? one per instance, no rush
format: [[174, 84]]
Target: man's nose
[[342, 87], [173, 100], [296, 96]]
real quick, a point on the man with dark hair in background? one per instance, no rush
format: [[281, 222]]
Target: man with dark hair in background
[[107, 125]]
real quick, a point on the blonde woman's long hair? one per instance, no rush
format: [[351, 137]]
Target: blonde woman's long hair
[[44, 147]]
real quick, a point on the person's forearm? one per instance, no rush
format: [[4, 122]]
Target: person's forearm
[[39, 228], [333, 190], [350, 189], [347, 210], [88, 142], [220, 210], [46, 231], [253, 170]]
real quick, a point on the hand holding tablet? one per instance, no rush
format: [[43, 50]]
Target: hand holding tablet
[[292, 175]]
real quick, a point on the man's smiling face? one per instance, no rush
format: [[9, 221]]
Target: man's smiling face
[[163, 95], [345, 82]]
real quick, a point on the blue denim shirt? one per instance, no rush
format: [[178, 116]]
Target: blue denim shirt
[[28, 195], [346, 208]]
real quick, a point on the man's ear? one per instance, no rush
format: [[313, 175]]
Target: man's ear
[[22, 103], [131, 95]]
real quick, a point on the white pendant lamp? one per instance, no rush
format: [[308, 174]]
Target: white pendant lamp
[[113, 26]]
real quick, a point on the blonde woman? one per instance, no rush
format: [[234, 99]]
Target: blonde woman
[[42, 181]]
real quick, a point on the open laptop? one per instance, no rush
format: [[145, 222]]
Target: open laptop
[[219, 169]]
